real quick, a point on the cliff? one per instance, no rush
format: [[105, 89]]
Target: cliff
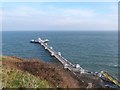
[[34, 73]]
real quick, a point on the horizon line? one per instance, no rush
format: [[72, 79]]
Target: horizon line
[[59, 30]]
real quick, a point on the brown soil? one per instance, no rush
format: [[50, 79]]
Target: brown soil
[[56, 75]]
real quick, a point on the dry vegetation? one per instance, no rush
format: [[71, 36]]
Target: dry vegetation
[[16, 78], [17, 72]]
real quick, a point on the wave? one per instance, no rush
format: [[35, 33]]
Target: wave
[[104, 56], [110, 65], [115, 66]]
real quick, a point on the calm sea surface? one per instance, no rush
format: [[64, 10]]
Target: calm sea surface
[[94, 51]]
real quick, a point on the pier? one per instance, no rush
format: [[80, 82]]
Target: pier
[[76, 69], [67, 65]]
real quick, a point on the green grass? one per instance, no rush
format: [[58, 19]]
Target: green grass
[[3, 58], [15, 78], [12, 78]]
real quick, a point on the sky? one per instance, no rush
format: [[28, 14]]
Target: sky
[[59, 16]]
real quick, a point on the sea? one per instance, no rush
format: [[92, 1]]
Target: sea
[[93, 50]]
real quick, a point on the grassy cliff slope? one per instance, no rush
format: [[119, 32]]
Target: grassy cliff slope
[[18, 72]]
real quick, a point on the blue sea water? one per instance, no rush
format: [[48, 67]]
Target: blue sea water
[[93, 50]]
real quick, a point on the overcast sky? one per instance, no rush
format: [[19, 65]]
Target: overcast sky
[[59, 16]]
